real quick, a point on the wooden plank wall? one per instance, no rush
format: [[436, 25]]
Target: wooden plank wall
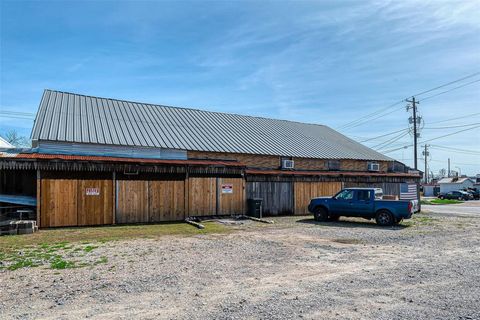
[[166, 200], [305, 191], [202, 196], [277, 196], [64, 203], [142, 201], [132, 201], [235, 202]]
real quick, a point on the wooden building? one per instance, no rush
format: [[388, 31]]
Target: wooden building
[[98, 161]]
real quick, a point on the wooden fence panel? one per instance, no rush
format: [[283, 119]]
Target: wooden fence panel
[[166, 200], [231, 202], [95, 202], [277, 196], [202, 196], [58, 203], [132, 201], [305, 191]]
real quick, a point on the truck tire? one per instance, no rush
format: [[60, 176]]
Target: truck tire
[[384, 218], [320, 214]]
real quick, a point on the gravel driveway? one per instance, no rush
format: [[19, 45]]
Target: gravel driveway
[[428, 268]]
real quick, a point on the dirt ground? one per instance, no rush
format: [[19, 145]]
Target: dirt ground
[[427, 268]]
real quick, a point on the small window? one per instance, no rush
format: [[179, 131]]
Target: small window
[[364, 195], [345, 195], [333, 164]]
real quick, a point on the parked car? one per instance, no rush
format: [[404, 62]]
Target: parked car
[[474, 192], [361, 202], [455, 195]]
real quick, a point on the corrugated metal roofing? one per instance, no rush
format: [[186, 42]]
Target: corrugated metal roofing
[[454, 180], [69, 117], [5, 144]]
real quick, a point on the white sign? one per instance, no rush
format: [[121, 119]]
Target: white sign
[[92, 191], [227, 188]]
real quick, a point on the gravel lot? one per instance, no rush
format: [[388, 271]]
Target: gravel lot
[[428, 268]]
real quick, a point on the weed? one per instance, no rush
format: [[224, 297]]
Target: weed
[[89, 248], [59, 263], [101, 260]]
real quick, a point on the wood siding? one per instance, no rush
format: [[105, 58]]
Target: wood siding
[[64, 203], [142, 201], [277, 196], [235, 202], [166, 200], [202, 196], [305, 191], [132, 201]]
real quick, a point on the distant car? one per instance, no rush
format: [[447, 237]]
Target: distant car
[[455, 195], [474, 192]]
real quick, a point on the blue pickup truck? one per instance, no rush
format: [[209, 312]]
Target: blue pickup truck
[[361, 202]]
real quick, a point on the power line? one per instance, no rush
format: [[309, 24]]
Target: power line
[[461, 117], [389, 142], [428, 140], [367, 117], [447, 84], [450, 134], [455, 149], [362, 120], [451, 127], [443, 92], [383, 135]]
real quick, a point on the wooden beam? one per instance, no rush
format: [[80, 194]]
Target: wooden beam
[[39, 202]]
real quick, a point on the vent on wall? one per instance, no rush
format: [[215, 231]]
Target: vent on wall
[[373, 166], [288, 164]]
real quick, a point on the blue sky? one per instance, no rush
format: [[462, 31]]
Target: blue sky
[[326, 62]]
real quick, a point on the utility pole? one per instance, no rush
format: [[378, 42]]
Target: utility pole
[[449, 167], [414, 120], [425, 155]]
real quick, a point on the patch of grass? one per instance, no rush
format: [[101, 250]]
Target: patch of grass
[[22, 263], [89, 248], [59, 263], [64, 238], [101, 260], [445, 201]]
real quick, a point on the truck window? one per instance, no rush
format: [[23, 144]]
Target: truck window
[[345, 195], [364, 195]]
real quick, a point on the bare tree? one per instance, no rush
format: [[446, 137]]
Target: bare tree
[[17, 140], [442, 173]]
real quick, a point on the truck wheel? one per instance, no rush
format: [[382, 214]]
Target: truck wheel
[[384, 218], [320, 214]]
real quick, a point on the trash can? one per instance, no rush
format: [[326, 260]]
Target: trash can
[[255, 207]]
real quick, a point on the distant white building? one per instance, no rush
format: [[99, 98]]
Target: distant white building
[[4, 144], [455, 183]]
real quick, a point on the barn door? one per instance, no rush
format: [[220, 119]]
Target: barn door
[[231, 196], [277, 196]]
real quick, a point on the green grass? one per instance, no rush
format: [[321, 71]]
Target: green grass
[[50, 246], [440, 201]]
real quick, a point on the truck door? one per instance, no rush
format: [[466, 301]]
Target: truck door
[[364, 203], [342, 203]]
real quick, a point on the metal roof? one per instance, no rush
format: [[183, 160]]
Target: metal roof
[[5, 144], [455, 180], [69, 117]]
